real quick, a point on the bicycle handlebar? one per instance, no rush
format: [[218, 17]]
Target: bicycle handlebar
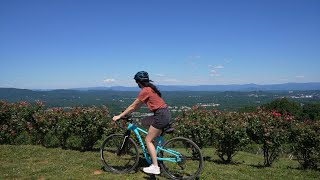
[[127, 118]]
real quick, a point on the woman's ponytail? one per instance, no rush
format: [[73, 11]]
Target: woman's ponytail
[[154, 88]]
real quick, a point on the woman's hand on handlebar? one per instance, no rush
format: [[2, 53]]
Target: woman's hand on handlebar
[[116, 118]]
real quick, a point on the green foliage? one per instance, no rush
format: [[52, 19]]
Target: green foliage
[[55, 127], [271, 130], [229, 132], [87, 125], [225, 131], [306, 143], [16, 120], [77, 128], [311, 111], [196, 125], [284, 106]]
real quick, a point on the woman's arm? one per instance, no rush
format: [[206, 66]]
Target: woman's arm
[[134, 106]]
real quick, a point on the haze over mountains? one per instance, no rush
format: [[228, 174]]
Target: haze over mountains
[[233, 87], [230, 97]]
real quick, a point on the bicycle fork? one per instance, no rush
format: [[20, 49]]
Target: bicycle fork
[[124, 143]]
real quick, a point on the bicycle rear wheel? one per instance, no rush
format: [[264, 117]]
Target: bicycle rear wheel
[[115, 162], [191, 162]]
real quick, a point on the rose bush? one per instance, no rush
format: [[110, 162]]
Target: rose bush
[[225, 131], [76, 128], [306, 143], [16, 122], [87, 125], [271, 130], [229, 134], [196, 124]]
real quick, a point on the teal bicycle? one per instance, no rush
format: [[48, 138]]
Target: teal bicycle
[[179, 157]]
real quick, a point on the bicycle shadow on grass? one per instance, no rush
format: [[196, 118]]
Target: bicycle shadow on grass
[[150, 177], [143, 163]]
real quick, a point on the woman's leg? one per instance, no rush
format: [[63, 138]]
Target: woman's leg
[[152, 133]]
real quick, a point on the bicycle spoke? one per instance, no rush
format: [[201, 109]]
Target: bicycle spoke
[[122, 163], [189, 161]]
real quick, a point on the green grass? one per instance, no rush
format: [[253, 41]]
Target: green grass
[[36, 162]]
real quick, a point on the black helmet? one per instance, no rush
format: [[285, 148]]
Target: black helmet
[[142, 76]]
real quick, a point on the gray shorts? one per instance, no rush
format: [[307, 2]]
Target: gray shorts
[[160, 119]]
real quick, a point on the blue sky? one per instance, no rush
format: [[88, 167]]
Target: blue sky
[[76, 43]]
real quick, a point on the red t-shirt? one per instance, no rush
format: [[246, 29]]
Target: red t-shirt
[[151, 99]]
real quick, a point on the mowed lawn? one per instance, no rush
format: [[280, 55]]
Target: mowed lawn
[[37, 162]]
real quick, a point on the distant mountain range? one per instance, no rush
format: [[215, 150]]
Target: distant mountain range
[[233, 87]]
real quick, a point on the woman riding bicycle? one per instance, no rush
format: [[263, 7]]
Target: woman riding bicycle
[[151, 96]]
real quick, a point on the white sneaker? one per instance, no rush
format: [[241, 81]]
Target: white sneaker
[[152, 169]]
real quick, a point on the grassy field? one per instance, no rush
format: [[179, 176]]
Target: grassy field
[[36, 162]]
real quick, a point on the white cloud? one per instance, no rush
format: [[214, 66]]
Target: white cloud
[[284, 79], [215, 74], [109, 80], [195, 57], [160, 75], [300, 76], [227, 60], [213, 70], [216, 67], [171, 80]]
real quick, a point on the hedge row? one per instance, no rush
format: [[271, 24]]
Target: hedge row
[[75, 128], [228, 132]]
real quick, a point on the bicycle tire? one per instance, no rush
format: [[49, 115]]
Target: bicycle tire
[[190, 152], [123, 163]]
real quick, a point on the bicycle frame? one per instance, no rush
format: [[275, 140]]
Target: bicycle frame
[[159, 140]]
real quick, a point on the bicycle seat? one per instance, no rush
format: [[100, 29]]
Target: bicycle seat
[[167, 130]]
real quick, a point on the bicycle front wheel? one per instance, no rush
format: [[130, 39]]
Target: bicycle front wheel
[[117, 162], [190, 160]]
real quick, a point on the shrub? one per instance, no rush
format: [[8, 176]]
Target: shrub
[[77, 128], [87, 124], [24, 123], [225, 131], [229, 134], [271, 130], [284, 106], [196, 125], [6, 131], [17, 121], [311, 111], [306, 143], [54, 127]]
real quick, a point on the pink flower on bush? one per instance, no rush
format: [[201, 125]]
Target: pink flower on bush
[[276, 114], [195, 107], [29, 125], [40, 103], [13, 133]]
